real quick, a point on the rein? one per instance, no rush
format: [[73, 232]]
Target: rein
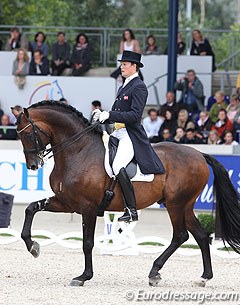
[[41, 150]]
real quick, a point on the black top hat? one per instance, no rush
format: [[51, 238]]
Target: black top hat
[[132, 57]]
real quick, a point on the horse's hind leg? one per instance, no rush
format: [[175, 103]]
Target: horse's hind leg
[[51, 204], [180, 235], [202, 239], [89, 223]]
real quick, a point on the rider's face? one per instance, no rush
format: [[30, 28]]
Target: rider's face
[[127, 68]]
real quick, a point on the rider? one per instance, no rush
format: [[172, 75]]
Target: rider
[[127, 113]]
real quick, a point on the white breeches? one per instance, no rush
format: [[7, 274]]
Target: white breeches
[[125, 150]]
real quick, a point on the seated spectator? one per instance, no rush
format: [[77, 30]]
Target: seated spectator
[[152, 124], [212, 100], [169, 123], [39, 64], [151, 47], [192, 93], [228, 138], [213, 138], [204, 124], [183, 120], [81, 56], [16, 41], [39, 43], [238, 91], [191, 137], [236, 126], [166, 136], [233, 108], [128, 43], [21, 68], [179, 136], [201, 46], [5, 133], [223, 123], [170, 105], [16, 111], [181, 45], [220, 104], [60, 55]]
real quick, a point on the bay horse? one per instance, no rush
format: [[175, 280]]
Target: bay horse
[[79, 180]]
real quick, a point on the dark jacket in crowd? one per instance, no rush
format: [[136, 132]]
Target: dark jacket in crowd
[[205, 46], [174, 109], [197, 91], [8, 134], [81, 55], [44, 67], [61, 52]]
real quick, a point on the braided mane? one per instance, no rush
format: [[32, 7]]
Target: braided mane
[[60, 106]]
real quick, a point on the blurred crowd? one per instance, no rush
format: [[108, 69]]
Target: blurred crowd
[[186, 120]]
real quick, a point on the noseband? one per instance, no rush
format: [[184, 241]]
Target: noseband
[[40, 148]]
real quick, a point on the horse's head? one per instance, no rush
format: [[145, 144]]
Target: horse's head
[[34, 139]]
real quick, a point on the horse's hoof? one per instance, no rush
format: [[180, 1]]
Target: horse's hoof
[[35, 249], [201, 282], [76, 283], [155, 280]]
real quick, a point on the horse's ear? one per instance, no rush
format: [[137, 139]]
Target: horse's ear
[[26, 112]]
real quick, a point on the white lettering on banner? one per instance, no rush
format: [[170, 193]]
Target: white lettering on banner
[[24, 184]]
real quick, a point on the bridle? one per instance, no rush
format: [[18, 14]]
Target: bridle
[[40, 148]]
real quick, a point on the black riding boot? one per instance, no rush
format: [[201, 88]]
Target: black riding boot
[[129, 197]]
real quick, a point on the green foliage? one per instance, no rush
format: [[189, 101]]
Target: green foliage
[[207, 221]]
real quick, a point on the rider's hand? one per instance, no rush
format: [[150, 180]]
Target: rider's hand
[[95, 115], [104, 115]]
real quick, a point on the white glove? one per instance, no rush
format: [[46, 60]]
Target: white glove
[[95, 115], [104, 115]]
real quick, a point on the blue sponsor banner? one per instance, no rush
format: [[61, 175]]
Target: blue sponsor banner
[[232, 165]]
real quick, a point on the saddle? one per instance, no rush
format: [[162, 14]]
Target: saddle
[[131, 168]]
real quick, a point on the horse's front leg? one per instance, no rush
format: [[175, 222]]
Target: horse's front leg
[[88, 225], [51, 204]]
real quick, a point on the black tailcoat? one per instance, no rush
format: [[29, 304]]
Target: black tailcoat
[[128, 108]]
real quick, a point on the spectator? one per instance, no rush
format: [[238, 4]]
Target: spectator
[[183, 120], [39, 43], [170, 123], [179, 136], [81, 55], [21, 68], [5, 133], [204, 124], [192, 93], [16, 110], [152, 124], [220, 104], [213, 138], [180, 43], [63, 100], [151, 47], [16, 40], [201, 46], [166, 136], [60, 55], [128, 43], [238, 91], [39, 64], [191, 138], [170, 105], [223, 123], [228, 138], [233, 108], [96, 105], [236, 126]]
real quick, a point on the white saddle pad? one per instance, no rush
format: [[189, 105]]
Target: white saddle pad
[[139, 175]]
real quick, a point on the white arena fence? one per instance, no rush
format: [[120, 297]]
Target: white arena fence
[[118, 239]]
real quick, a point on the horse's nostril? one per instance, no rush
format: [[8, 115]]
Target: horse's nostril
[[33, 167]]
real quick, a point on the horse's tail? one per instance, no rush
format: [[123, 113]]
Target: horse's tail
[[228, 204]]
